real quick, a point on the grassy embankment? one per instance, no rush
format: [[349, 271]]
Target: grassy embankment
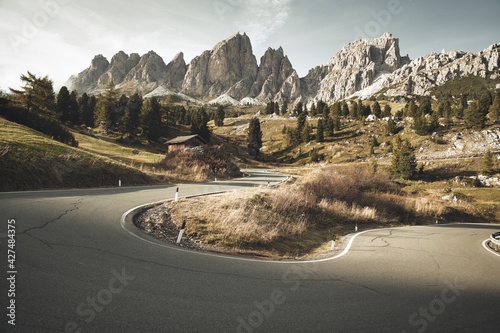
[[30, 160]]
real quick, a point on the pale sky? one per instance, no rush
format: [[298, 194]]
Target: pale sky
[[59, 38]]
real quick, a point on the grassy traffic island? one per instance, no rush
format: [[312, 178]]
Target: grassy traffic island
[[298, 219]]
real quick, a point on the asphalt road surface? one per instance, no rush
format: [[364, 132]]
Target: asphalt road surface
[[80, 268]]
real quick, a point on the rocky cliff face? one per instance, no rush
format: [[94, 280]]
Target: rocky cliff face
[[435, 69], [228, 65], [354, 68], [87, 80], [229, 73], [274, 70]]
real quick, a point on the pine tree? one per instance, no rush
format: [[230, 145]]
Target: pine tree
[[420, 125], [254, 138], [488, 167], [106, 105], [376, 110], [391, 126], [270, 108], [74, 109], [301, 123], [305, 135], [87, 106], [494, 110], [131, 120], [335, 109], [425, 106], [37, 94], [474, 116], [404, 162], [151, 119], [121, 106], [284, 108], [387, 113], [199, 124], [63, 103], [354, 110], [299, 108], [219, 116], [344, 108], [330, 126], [320, 131]]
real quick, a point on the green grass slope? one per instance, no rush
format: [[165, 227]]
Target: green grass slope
[[30, 160]]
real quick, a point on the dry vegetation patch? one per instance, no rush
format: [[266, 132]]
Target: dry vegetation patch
[[296, 219]]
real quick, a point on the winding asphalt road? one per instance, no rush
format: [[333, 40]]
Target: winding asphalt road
[[79, 269]]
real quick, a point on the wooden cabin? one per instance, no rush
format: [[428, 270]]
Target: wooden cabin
[[183, 142]]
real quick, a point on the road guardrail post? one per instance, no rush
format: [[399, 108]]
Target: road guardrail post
[[181, 232]]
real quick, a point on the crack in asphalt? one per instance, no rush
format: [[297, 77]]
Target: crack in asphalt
[[46, 223], [382, 238]]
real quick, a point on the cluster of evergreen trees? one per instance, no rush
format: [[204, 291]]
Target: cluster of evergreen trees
[[134, 115]]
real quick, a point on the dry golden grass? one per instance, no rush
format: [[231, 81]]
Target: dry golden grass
[[297, 219]]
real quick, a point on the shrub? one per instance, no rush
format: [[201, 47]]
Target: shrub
[[201, 163]]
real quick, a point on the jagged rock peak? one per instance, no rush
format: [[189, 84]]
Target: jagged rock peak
[[381, 50], [99, 62], [214, 72], [175, 72]]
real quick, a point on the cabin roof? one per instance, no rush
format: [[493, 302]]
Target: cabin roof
[[184, 139]]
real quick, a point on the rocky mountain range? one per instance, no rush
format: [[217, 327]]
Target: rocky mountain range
[[229, 73]]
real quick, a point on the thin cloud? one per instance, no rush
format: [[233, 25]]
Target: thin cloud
[[261, 19]]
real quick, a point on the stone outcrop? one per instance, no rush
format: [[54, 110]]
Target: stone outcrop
[[354, 68], [435, 69], [230, 64], [86, 81]]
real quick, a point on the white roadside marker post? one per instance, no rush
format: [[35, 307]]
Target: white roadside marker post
[[333, 243], [119, 182], [181, 232], [176, 198], [356, 228]]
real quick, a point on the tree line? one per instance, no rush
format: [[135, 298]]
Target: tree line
[[131, 116]]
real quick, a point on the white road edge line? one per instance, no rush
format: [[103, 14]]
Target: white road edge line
[[488, 248]]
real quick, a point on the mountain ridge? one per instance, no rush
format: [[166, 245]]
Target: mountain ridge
[[229, 73]]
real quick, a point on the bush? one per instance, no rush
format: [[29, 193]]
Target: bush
[[202, 163]]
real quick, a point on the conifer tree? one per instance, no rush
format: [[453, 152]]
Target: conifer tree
[[199, 124], [320, 131], [74, 109], [63, 103], [488, 167], [219, 116], [474, 116], [37, 94], [151, 119], [254, 138], [106, 105], [376, 110], [131, 120], [87, 106], [391, 126], [404, 162], [494, 110], [284, 108], [330, 126], [387, 112]]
